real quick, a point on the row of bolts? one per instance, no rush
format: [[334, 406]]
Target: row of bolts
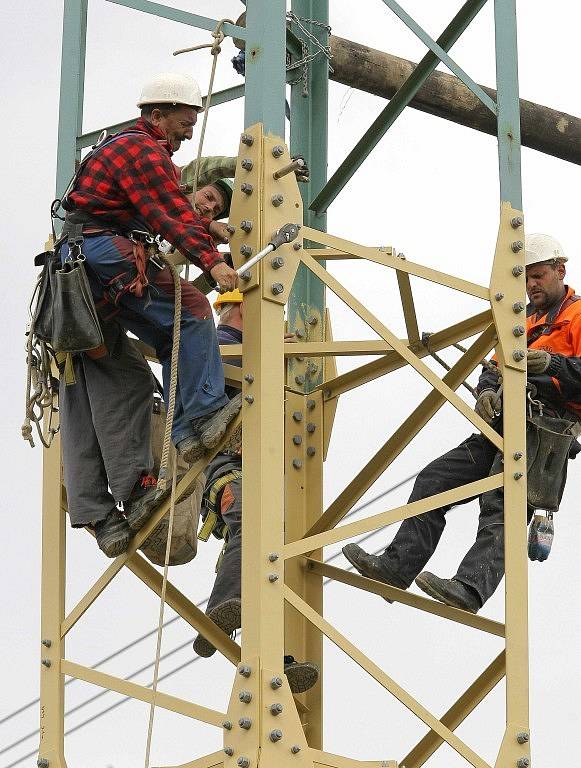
[[246, 723], [519, 306]]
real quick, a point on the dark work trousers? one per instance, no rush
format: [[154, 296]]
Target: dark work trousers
[[228, 577], [483, 566], [200, 387], [105, 419]]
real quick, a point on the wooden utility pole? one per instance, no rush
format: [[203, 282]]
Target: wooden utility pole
[[547, 130]]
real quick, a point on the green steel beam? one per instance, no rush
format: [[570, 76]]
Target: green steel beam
[[71, 89], [441, 54], [395, 107], [308, 137], [265, 64], [509, 142], [220, 97], [173, 14]]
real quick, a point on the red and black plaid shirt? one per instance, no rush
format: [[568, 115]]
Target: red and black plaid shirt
[[133, 179]]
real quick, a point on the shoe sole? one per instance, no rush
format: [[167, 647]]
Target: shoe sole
[[226, 616], [212, 435], [430, 590], [193, 453], [363, 571], [302, 676], [115, 544]]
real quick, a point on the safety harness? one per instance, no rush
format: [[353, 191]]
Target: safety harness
[[212, 522]]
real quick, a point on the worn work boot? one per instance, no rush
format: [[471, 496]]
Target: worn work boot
[[227, 616], [211, 428], [190, 449], [301, 675], [370, 566], [113, 534], [449, 591], [142, 502]]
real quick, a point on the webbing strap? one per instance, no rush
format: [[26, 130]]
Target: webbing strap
[[213, 522]]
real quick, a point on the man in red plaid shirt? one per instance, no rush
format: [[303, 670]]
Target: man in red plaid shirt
[[127, 190]]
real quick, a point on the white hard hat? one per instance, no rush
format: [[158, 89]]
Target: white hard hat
[[540, 248], [171, 88]]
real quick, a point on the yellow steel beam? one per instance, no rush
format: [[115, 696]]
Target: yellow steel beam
[[385, 680], [416, 363], [393, 362], [402, 436], [408, 306], [389, 260], [125, 687], [406, 598], [383, 519], [458, 712], [185, 608]]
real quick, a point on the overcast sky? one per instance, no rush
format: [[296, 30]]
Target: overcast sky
[[431, 190]]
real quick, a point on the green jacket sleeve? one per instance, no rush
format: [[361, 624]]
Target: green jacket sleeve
[[211, 169]]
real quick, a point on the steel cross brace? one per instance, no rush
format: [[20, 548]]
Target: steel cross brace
[[395, 107]]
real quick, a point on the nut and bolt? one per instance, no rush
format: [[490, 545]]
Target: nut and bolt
[[499, 296], [230, 229], [517, 246], [243, 762], [249, 399], [245, 697], [276, 682], [277, 289], [522, 737], [297, 439], [277, 262], [516, 222], [300, 379], [311, 404], [42, 762], [246, 276], [246, 250], [277, 151], [523, 762], [311, 427], [247, 139], [312, 320], [275, 735], [246, 188], [227, 724], [518, 475], [518, 330], [518, 306], [311, 451], [277, 200], [46, 662], [297, 463], [312, 368], [297, 416], [47, 643], [327, 392], [244, 670], [247, 164], [297, 246], [246, 723], [249, 378], [517, 456], [228, 751], [246, 225], [272, 577], [275, 709], [295, 749], [517, 270], [518, 355], [273, 557]]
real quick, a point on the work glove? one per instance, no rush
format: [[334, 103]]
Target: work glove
[[302, 173], [538, 360], [488, 405]]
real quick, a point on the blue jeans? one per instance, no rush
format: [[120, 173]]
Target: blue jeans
[[200, 386]]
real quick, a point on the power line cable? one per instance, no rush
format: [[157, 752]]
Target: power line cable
[[175, 650]]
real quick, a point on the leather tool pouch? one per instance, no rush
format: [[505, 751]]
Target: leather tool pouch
[[548, 443], [76, 325]]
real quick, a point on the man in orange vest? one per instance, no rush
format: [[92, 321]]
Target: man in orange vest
[[554, 373]]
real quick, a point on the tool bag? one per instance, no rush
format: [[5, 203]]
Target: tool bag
[[549, 442], [184, 542]]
